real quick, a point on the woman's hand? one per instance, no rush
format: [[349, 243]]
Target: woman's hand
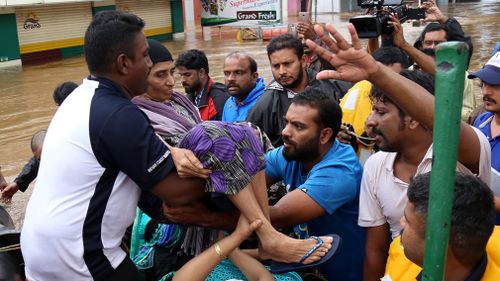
[[245, 229], [187, 164]]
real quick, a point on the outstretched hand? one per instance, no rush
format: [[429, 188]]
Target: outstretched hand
[[352, 62], [8, 192], [245, 229]]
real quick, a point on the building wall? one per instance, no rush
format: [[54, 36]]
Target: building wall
[[9, 49], [293, 8], [177, 21], [56, 31], [51, 32], [98, 9], [158, 18]]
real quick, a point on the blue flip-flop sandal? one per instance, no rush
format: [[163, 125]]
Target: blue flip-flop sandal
[[278, 267]]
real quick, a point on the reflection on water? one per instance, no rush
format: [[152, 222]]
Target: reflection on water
[[26, 96], [480, 21]]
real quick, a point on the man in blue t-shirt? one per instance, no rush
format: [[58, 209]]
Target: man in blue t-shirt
[[322, 177], [489, 122]]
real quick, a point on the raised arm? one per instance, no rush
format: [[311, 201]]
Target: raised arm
[[354, 64], [426, 63]]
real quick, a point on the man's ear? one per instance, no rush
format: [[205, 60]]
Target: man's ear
[[412, 123], [202, 72], [304, 60], [122, 64], [326, 135], [255, 75]]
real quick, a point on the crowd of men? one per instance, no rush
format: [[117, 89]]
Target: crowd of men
[[353, 150]]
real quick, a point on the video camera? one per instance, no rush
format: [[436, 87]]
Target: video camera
[[376, 23]]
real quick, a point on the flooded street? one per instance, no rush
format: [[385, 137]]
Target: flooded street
[[26, 104]]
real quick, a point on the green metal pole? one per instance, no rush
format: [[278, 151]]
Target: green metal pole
[[451, 61]]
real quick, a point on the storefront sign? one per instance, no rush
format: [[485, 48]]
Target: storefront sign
[[215, 12], [256, 15], [32, 22]]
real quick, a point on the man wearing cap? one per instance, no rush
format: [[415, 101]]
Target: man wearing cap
[[489, 122]]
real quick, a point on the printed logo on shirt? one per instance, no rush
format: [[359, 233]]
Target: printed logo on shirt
[[159, 161], [386, 278]]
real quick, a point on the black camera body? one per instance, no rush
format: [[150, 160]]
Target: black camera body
[[376, 23]]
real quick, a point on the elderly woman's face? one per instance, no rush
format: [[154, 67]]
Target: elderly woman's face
[[161, 81]]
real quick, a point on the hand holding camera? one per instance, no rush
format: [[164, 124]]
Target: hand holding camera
[[433, 12], [377, 23]]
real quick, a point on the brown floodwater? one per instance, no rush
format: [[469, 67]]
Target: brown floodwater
[[26, 104]]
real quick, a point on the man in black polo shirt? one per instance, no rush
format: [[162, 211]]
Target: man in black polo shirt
[[99, 153]]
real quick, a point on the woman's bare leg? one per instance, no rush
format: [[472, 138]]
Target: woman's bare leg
[[260, 190], [275, 245]]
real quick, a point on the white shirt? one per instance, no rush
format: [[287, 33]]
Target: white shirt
[[99, 152], [383, 196]]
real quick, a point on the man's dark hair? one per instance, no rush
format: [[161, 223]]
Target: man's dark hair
[[37, 140], [452, 34], [285, 41], [62, 91], [391, 55], [330, 113], [110, 34], [472, 218], [423, 79], [193, 59], [253, 63], [431, 27]]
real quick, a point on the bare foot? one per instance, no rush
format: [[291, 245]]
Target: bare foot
[[288, 250]]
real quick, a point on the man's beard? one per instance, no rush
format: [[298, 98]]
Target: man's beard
[[297, 81], [303, 153], [192, 89], [240, 95]]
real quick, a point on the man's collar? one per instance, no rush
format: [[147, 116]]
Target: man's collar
[[258, 87], [487, 120], [105, 82], [389, 165], [204, 93], [475, 275]]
